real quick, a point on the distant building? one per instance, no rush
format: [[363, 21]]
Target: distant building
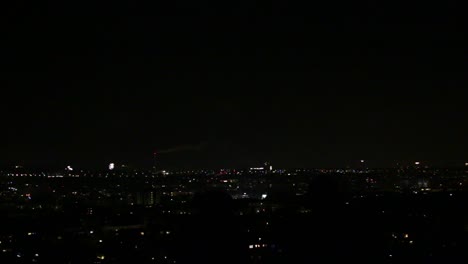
[[146, 198], [267, 168]]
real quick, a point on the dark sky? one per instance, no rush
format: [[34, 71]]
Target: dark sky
[[233, 83]]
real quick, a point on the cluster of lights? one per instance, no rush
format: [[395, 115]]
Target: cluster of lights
[[258, 246]]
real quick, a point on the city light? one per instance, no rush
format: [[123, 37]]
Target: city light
[[111, 166], [173, 195]]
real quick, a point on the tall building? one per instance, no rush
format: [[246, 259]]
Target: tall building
[[145, 198]]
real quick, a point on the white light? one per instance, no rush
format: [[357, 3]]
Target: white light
[[362, 161], [264, 196], [100, 241], [91, 232], [251, 246], [417, 163], [36, 255], [111, 166]]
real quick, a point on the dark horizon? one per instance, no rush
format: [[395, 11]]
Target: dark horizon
[[307, 85]]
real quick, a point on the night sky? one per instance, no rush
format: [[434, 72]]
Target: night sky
[[233, 83]]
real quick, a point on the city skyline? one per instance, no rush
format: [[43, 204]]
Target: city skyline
[[166, 164], [233, 132]]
